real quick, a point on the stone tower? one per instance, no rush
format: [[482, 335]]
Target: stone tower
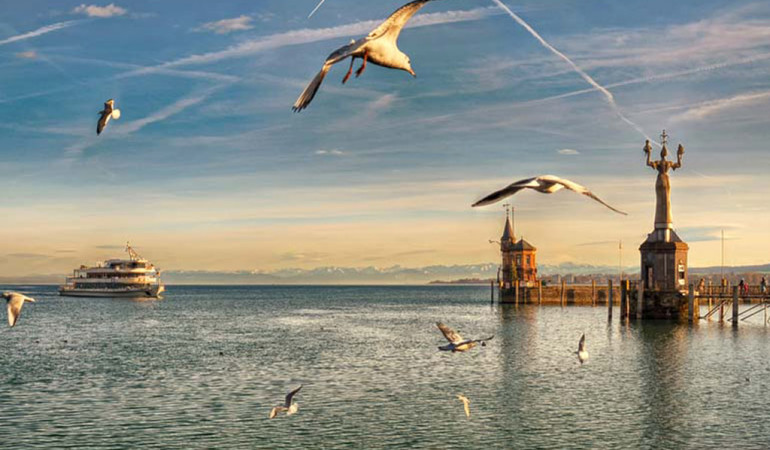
[[519, 259]]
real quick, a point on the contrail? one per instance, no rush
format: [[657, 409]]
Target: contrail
[[607, 94], [315, 9], [39, 31]]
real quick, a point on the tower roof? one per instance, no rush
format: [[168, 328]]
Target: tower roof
[[524, 245], [508, 231]]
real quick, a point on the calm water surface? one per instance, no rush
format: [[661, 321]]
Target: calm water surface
[[203, 367]]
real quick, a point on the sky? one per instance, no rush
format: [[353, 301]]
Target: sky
[[209, 169]]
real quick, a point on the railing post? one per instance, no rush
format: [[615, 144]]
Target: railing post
[[735, 306], [609, 299]]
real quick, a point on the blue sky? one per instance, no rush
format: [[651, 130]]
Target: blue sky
[[209, 168]]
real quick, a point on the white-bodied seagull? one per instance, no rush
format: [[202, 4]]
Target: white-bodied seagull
[[466, 404], [581, 352], [109, 112], [456, 342], [15, 302], [546, 184], [379, 47], [287, 406]]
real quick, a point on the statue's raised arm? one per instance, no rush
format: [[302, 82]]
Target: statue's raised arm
[[679, 155], [647, 149]]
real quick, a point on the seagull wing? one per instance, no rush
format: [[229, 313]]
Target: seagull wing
[[14, 308], [582, 343], [393, 25], [572, 186], [290, 395], [451, 335], [338, 55], [103, 121], [274, 412], [507, 191]]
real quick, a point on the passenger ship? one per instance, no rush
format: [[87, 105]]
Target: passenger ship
[[133, 277]]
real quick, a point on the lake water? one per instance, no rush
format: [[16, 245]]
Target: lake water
[[203, 367]]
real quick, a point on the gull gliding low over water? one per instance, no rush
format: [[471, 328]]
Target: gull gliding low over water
[[582, 352], [546, 184], [466, 404], [456, 342], [288, 406], [379, 47], [109, 112], [15, 302]]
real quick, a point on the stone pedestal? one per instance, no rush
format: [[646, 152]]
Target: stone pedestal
[[671, 305], [664, 261]]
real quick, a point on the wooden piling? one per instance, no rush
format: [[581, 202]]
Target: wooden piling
[[516, 292], [539, 292], [639, 300], [691, 304], [492, 291], [593, 292], [561, 293], [623, 300], [735, 306], [609, 299]]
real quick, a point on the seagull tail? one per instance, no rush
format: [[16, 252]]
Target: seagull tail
[[307, 95]]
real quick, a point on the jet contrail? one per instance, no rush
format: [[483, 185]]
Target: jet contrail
[[315, 9], [39, 31], [607, 94]]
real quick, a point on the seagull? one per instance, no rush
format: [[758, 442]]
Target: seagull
[[379, 47], [546, 184], [15, 302], [466, 404], [456, 342], [109, 112], [287, 406], [581, 351]]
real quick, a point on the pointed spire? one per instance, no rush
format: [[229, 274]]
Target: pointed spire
[[508, 236]]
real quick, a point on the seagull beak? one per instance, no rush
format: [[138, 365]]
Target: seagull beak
[[412, 72]]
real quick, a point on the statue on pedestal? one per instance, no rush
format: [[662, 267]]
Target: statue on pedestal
[[662, 185]]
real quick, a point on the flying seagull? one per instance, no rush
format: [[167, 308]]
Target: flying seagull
[[15, 302], [379, 47], [109, 112], [546, 184], [287, 406], [581, 351], [466, 404], [456, 342]]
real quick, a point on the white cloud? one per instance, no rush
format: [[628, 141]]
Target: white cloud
[[334, 152], [225, 26], [27, 55], [110, 10], [567, 151], [307, 35], [705, 109], [38, 32]]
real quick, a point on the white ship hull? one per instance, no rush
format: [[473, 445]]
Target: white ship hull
[[148, 292]]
